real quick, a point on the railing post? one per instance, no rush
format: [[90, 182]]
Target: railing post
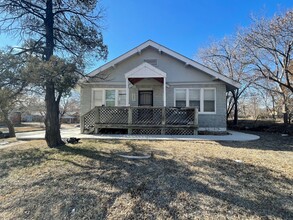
[[82, 124], [195, 121], [129, 120], [163, 129], [97, 119]]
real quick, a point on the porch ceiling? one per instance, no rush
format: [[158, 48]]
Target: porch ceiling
[[136, 80]]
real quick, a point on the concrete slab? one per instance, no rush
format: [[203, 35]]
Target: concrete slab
[[67, 133]]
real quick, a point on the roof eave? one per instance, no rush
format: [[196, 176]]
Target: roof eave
[[232, 84]]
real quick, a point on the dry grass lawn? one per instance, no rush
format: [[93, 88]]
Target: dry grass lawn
[[183, 180], [25, 127], [32, 126]]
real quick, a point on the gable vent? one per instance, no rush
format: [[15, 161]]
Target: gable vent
[[153, 62]]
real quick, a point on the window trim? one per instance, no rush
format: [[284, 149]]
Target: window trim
[[104, 95], [202, 100], [186, 96], [201, 110]]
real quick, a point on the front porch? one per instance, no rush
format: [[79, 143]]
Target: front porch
[[141, 120]]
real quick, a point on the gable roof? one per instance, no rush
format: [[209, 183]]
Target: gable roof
[[233, 84]]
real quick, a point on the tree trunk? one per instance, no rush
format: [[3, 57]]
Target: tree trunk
[[235, 100], [235, 119], [286, 114], [53, 137], [286, 107], [9, 124]]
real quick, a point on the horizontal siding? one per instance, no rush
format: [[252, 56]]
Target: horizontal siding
[[177, 72]]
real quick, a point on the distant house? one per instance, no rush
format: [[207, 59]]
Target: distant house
[[70, 118], [33, 116], [151, 77]]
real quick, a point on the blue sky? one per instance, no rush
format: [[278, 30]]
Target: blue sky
[[181, 25]]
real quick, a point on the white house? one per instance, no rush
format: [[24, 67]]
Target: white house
[[153, 75]]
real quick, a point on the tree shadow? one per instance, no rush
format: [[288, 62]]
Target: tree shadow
[[267, 141], [156, 188], [21, 159]]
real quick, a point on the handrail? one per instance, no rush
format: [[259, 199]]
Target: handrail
[[132, 116]]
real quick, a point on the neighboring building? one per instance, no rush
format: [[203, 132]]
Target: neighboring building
[[70, 118], [153, 75]]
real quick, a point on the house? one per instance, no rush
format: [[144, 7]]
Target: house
[[70, 118], [154, 81]]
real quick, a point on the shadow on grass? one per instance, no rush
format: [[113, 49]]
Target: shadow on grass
[[18, 159], [267, 141], [157, 187]]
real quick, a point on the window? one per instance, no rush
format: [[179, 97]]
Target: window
[[108, 97], [209, 100], [194, 98], [97, 98], [204, 99], [180, 97], [121, 97]]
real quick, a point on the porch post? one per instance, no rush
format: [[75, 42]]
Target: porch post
[[164, 91], [127, 92]]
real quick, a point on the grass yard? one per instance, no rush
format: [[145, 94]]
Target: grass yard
[[32, 126], [182, 180], [25, 127]]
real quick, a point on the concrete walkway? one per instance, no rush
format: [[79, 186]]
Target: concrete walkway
[[67, 133]]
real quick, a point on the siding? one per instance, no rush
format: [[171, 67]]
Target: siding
[[207, 121], [175, 69], [177, 72]]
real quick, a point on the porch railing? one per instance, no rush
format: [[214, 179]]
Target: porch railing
[[141, 120]]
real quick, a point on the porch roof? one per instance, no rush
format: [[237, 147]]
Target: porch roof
[[145, 70]]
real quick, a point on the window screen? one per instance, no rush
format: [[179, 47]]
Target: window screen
[[209, 100], [194, 98], [110, 97], [121, 97], [97, 98], [180, 95]]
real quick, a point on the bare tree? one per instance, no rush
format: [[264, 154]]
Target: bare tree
[[69, 103], [228, 58], [12, 83], [270, 46], [60, 27]]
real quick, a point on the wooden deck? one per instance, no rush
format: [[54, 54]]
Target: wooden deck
[[141, 120]]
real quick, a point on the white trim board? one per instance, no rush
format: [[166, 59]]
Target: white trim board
[[192, 83]]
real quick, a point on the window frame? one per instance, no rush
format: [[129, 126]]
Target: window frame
[[202, 93], [185, 96], [201, 110], [104, 95]]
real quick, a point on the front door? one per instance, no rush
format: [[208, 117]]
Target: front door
[[145, 98]]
